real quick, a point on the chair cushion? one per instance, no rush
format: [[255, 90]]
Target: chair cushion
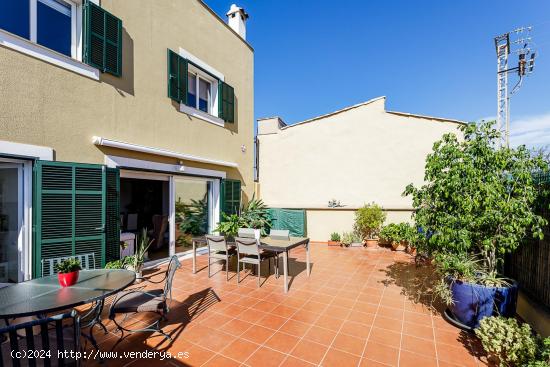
[[152, 301], [68, 345]]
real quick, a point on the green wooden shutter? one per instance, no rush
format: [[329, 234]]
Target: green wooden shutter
[[69, 211], [226, 104], [102, 39], [177, 77], [112, 214], [230, 196]]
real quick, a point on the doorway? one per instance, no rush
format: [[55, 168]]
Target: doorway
[[144, 204], [11, 222]]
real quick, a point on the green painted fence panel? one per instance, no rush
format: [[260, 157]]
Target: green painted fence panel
[[291, 219]]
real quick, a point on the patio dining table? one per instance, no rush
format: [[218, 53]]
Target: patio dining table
[[42, 296], [282, 246]]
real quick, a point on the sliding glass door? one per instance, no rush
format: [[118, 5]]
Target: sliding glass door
[[11, 221], [194, 208]]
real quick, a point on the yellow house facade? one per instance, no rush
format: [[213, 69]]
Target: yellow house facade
[[150, 101]]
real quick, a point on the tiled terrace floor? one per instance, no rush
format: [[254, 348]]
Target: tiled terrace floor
[[356, 309]]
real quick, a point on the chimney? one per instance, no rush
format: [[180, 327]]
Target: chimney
[[236, 18]]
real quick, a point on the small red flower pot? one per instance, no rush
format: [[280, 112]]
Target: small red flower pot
[[67, 279]]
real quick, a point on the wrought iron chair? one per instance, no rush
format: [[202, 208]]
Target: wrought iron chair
[[59, 333], [87, 261], [156, 301], [249, 248], [218, 250]]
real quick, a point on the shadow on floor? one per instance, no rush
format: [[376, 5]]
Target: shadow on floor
[[417, 283]]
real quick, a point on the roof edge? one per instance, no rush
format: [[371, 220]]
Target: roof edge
[[428, 117], [225, 24], [335, 112]]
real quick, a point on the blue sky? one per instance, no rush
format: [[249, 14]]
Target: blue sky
[[428, 57]]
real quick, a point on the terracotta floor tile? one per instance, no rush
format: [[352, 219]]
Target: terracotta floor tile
[[382, 353], [385, 336], [453, 354], [418, 318], [328, 322], [337, 312], [215, 320], [361, 317], [236, 327], [414, 344], [265, 306], [265, 357], [365, 362], [304, 316], [240, 350], [451, 337], [295, 328], [338, 358], [282, 342], [410, 359], [198, 356], [392, 313], [221, 361], [320, 335], [387, 323], [284, 311], [291, 361], [309, 351], [313, 306], [258, 334], [355, 329], [251, 315], [419, 331], [349, 344], [272, 321], [215, 341]]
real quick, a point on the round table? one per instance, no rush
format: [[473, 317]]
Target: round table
[[42, 296]]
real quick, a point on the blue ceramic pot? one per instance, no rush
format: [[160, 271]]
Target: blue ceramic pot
[[473, 302]]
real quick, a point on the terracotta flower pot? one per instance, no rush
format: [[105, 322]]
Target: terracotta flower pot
[[67, 279], [333, 243], [398, 246], [371, 243]]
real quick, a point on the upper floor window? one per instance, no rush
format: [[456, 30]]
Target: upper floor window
[[199, 93], [54, 21], [50, 23]]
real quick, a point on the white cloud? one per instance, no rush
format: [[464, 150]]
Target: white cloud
[[533, 131]]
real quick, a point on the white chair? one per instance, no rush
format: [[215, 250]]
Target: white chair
[[87, 261]]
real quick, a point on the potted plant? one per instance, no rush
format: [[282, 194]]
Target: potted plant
[[135, 262], [356, 240], [368, 221], [477, 204], [334, 239], [347, 239], [67, 272], [391, 234], [507, 343], [229, 226]]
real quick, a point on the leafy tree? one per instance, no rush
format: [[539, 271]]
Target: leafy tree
[[478, 198], [368, 221]]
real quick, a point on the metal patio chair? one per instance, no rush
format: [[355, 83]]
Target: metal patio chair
[[279, 234], [249, 248], [155, 301], [87, 261], [219, 250], [45, 336]]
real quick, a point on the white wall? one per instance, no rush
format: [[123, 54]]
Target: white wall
[[359, 155]]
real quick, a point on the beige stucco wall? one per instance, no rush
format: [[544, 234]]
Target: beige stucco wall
[[356, 156], [322, 222], [46, 105]]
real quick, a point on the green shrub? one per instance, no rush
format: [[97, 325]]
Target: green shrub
[[390, 233], [506, 342], [67, 266], [115, 264], [335, 236], [347, 238], [368, 221]]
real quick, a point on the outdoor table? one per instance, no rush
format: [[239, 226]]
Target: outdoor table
[[267, 243], [44, 296]]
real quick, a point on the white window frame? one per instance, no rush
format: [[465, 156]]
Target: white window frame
[[212, 114], [32, 48], [76, 26]]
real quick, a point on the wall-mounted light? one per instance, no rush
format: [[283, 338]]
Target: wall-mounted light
[[243, 148]]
